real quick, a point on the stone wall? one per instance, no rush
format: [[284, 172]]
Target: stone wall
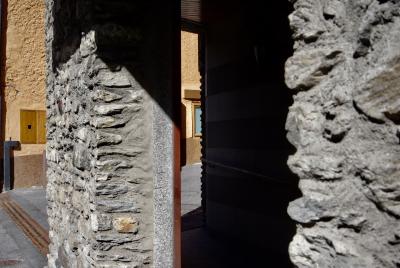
[[345, 125], [109, 141]]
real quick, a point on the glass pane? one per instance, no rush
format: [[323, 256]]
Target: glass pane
[[197, 114]]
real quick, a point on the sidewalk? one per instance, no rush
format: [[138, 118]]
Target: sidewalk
[[24, 240], [23, 228], [23, 221], [190, 188]]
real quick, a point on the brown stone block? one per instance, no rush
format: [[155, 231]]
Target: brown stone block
[[126, 225]]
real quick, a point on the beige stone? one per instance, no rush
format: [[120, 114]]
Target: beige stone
[[379, 96], [126, 225]]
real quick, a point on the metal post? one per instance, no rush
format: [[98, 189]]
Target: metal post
[[8, 146]]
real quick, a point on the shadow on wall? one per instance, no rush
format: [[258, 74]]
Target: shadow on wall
[[129, 35], [3, 57], [248, 181]]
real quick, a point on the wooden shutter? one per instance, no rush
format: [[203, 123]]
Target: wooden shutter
[[28, 127], [33, 127], [191, 10]]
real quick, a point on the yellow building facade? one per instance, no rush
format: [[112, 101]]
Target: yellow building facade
[[191, 106], [24, 88]]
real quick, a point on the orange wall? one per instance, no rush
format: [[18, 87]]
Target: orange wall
[[25, 79], [190, 73], [191, 81]]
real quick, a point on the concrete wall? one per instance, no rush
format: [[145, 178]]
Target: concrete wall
[[110, 133], [248, 184], [345, 125], [24, 82]]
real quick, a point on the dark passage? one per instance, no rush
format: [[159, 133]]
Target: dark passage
[[246, 183]]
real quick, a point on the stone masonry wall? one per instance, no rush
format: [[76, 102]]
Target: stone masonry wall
[[99, 150], [344, 122]]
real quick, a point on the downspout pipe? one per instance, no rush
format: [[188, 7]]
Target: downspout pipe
[[2, 91], [7, 148]]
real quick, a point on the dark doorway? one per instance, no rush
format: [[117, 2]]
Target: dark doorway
[[246, 184]]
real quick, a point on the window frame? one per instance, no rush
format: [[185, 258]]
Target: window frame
[[195, 104]]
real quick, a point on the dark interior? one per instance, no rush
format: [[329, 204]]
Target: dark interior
[[247, 184]]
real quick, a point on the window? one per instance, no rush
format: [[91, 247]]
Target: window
[[33, 127], [197, 119]]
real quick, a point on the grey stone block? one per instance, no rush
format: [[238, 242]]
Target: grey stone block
[[344, 125]]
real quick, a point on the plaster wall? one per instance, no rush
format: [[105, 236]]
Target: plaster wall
[[190, 77], [190, 61], [25, 82]]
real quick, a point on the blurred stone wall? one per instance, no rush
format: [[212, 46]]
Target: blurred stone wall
[[345, 125]]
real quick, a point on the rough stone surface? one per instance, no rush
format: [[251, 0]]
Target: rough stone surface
[[126, 225], [99, 150], [345, 125]]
